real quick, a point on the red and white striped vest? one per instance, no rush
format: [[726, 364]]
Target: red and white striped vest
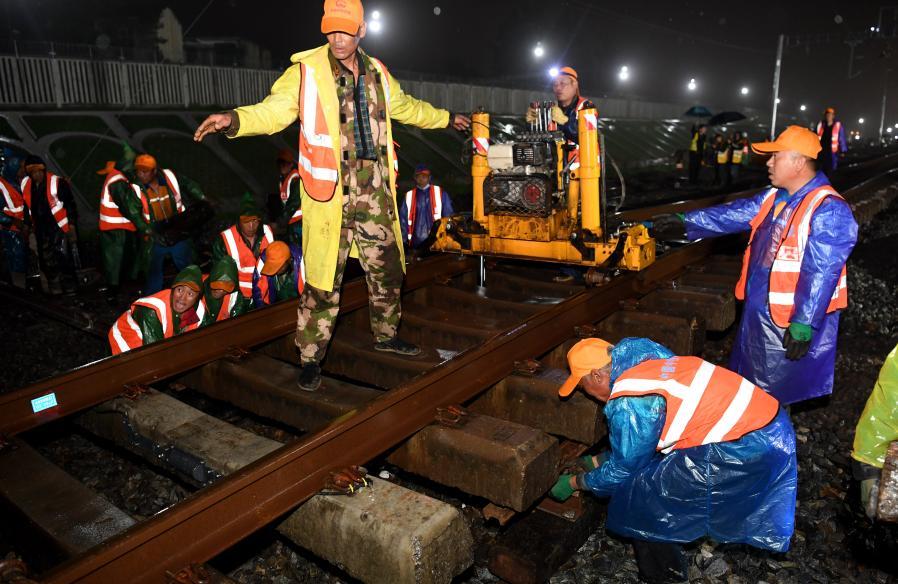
[[317, 160], [286, 184], [13, 203], [111, 217], [243, 255], [705, 403], [175, 188], [834, 137], [786, 268], [228, 301], [51, 184], [125, 334], [436, 206]]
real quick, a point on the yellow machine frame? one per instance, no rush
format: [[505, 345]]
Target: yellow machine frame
[[570, 235]]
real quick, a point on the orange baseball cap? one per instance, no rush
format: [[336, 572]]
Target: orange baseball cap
[[569, 71], [225, 285], [145, 161], [829, 110], [795, 138], [275, 256], [108, 169], [583, 357], [342, 16]]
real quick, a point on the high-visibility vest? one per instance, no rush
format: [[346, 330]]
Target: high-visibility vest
[[834, 135], [786, 268], [13, 203], [228, 301], [125, 334], [111, 217], [243, 256], [51, 185], [262, 281], [317, 161], [436, 206], [706, 404], [723, 156], [172, 183], [738, 152], [286, 184]]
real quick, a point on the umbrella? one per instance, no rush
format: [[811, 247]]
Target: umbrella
[[698, 111], [725, 118]]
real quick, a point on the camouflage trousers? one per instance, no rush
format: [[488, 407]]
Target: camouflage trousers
[[367, 222]]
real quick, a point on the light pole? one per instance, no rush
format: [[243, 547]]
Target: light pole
[[776, 83]]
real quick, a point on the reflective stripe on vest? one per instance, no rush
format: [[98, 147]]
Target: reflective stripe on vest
[[13, 204], [174, 188], [51, 184], [125, 333], [705, 403], [436, 206], [786, 269], [834, 135], [243, 256], [111, 217], [285, 194], [317, 162]]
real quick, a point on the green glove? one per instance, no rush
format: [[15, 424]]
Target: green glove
[[797, 340], [562, 489], [801, 332]]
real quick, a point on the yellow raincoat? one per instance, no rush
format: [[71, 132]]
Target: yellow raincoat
[[322, 221], [878, 425]]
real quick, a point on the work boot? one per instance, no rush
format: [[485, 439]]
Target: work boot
[[309, 377], [398, 346]]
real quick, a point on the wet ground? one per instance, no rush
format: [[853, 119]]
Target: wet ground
[[833, 541]]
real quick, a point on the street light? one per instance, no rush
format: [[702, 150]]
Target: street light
[[692, 85], [860, 120], [375, 25], [553, 72], [803, 107], [538, 51], [744, 90], [624, 73]]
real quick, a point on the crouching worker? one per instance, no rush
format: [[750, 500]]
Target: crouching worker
[[282, 275], [165, 314], [222, 298], [696, 450]]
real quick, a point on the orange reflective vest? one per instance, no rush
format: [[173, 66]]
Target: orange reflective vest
[[705, 403], [834, 136], [51, 185], [286, 184], [786, 268], [172, 183], [111, 217], [13, 203], [436, 206], [125, 334], [224, 311], [243, 256]]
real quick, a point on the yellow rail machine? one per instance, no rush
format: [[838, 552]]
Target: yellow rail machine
[[538, 198]]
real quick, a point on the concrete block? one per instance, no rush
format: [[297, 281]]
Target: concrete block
[[887, 506], [716, 309], [384, 534], [681, 335], [510, 464]]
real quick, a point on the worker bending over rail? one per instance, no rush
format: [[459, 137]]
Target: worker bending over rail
[[696, 451]]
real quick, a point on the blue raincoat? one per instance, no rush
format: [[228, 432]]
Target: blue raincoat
[[758, 353], [741, 491]]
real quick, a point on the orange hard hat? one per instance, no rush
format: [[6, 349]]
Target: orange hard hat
[[569, 71], [145, 162], [108, 169]]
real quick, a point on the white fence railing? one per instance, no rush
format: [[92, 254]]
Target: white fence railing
[[54, 82]]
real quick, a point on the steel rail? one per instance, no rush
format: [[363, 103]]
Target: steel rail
[[102, 380]]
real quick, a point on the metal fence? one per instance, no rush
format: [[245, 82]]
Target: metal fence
[[41, 82]]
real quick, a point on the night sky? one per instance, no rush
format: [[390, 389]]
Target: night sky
[[723, 45]]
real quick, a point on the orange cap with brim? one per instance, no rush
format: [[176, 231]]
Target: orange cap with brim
[[794, 138], [275, 256], [108, 169], [829, 110], [569, 71], [145, 162], [342, 16], [583, 357], [225, 285]]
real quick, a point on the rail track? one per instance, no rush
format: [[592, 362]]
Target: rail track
[[478, 341]]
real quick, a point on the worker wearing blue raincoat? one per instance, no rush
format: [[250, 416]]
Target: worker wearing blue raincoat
[[696, 451], [794, 358]]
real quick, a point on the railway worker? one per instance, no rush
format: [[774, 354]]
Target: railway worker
[[164, 196], [51, 214], [346, 148], [13, 232], [162, 315], [793, 274], [118, 233], [876, 429], [833, 143], [290, 197], [422, 206], [697, 151], [566, 87], [222, 298], [721, 148], [279, 275], [738, 154], [696, 451], [244, 242]]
